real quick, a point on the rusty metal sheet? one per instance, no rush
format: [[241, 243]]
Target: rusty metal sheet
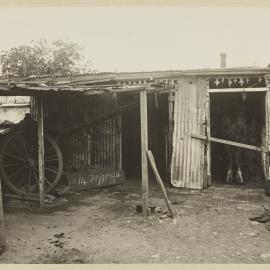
[[92, 178]]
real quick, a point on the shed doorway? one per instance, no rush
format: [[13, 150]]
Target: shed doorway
[[237, 117], [157, 110]]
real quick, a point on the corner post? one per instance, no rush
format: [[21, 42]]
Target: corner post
[[2, 224], [41, 153], [144, 148], [208, 135]]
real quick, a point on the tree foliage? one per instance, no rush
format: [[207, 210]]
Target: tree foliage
[[60, 57]]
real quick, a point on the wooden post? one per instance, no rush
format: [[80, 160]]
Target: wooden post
[[266, 157], [159, 180], [2, 225], [208, 134], [144, 148], [170, 134], [41, 153]]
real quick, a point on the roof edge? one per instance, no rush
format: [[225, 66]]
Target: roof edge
[[149, 74]]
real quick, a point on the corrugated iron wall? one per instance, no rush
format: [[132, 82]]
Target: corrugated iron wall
[[106, 136], [188, 158], [96, 146]]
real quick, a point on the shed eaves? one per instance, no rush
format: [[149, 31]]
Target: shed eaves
[[99, 83]]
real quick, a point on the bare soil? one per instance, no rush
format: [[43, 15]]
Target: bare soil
[[102, 226]]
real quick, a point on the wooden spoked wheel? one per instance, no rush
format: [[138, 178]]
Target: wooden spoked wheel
[[19, 162]]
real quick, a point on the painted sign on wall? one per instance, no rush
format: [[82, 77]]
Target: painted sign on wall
[[92, 178]]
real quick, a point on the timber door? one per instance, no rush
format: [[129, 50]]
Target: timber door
[[190, 166]]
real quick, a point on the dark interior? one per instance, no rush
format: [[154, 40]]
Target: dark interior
[[225, 111], [157, 132]]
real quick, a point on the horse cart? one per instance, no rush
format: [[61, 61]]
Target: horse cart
[[67, 147], [65, 151]]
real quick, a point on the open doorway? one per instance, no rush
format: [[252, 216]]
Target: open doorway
[[157, 134], [238, 117]]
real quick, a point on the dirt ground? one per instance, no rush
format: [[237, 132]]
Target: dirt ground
[[102, 226]]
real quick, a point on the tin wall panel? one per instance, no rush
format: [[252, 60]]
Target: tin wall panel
[[187, 167], [96, 146]]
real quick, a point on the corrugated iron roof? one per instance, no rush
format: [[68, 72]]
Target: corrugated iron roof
[[156, 73], [104, 82]]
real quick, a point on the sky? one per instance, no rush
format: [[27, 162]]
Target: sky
[[147, 38]]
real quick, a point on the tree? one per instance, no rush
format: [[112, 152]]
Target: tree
[[60, 57]]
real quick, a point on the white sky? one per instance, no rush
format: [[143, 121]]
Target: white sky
[[153, 38]]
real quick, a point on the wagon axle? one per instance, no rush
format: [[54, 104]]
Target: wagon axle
[[30, 162]]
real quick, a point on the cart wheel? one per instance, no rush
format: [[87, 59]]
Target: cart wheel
[[19, 163]]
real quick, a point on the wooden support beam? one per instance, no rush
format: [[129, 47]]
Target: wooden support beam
[[2, 224], [237, 144], [266, 158], [238, 90], [171, 99], [101, 118], [208, 144], [41, 154], [144, 148], [159, 180]]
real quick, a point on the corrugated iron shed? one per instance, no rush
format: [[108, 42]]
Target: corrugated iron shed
[[99, 83]]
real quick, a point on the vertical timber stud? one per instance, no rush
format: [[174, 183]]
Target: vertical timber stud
[[41, 153], [144, 148], [267, 129], [2, 225], [208, 143], [170, 134]]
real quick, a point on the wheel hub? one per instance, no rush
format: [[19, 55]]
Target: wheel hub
[[31, 162]]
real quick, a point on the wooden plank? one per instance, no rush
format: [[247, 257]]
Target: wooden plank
[[83, 90], [208, 145], [118, 90], [159, 180], [93, 178], [267, 131], [2, 223], [41, 154], [144, 148], [102, 116], [29, 197], [119, 133], [237, 144], [170, 134], [238, 90], [191, 154]]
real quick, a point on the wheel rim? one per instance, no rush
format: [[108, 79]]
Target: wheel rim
[[19, 163]]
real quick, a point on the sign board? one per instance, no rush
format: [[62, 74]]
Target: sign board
[[92, 178]]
